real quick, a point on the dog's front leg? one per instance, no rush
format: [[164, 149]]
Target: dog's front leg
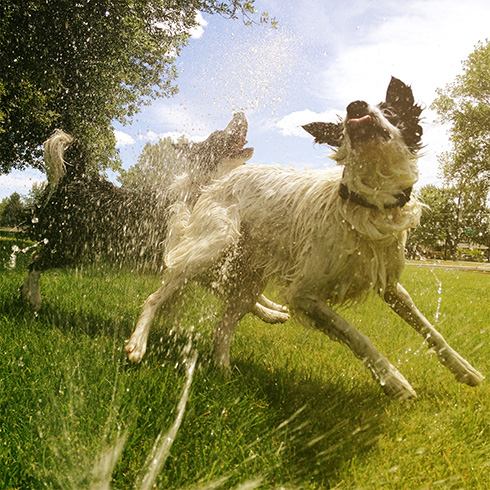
[[401, 302], [136, 345], [338, 329]]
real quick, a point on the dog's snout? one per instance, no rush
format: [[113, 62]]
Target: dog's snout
[[357, 109]]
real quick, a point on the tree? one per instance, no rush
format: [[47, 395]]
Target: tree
[[436, 222], [452, 215], [13, 211], [35, 195], [158, 164], [465, 105], [79, 65]]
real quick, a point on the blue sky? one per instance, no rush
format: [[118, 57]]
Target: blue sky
[[324, 55]]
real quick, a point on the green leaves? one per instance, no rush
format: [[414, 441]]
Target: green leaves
[[81, 65], [158, 164], [465, 105]]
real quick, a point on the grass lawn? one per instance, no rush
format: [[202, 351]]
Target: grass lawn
[[297, 411]]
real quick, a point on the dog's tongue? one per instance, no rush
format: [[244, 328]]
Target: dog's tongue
[[360, 120]]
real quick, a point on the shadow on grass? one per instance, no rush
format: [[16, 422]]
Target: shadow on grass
[[330, 427], [303, 432]]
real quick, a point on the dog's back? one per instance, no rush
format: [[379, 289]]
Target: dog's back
[[301, 232]]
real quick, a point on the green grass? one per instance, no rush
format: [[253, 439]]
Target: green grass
[[297, 411]]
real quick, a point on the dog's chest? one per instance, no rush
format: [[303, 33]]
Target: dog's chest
[[347, 269]]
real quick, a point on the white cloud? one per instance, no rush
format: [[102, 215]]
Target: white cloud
[[123, 139], [197, 31], [173, 135], [20, 182], [149, 136], [182, 118], [290, 125], [422, 43]]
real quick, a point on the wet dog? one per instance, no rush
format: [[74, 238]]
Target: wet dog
[[85, 219], [326, 237]]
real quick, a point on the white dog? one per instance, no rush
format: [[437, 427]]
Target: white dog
[[326, 237]]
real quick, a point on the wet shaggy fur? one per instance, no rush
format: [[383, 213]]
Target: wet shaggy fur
[[84, 218], [327, 238]]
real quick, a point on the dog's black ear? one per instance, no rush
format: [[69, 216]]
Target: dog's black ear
[[405, 112], [326, 133], [399, 96]]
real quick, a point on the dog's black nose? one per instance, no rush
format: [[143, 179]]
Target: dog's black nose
[[357, 109]]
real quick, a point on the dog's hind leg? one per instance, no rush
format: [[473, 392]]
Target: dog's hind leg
[[401, 302], [264, 301], [30, 291], [243, 290], [223, 335], [338, 329], [268, 315], [270, 312]]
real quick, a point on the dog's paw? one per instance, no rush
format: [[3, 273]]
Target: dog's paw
[[464, 372], [135, 350], [472, 377], [396, 386], [269, 315]]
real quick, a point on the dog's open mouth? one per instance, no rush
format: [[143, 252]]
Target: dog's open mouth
[[364, 128], [361, 129], [238, 128], [239, 152]]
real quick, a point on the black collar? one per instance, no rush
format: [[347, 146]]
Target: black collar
[[401, 199]]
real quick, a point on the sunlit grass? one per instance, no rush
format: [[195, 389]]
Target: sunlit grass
[[297, 410]]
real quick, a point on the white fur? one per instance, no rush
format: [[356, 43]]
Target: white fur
[[221, 152], [260, 223], [54, 151]]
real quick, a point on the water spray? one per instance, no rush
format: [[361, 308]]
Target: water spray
[[161, 448]]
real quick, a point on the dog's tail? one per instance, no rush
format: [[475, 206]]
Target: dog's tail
[[54, 151]]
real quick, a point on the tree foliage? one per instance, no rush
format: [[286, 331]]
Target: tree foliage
[[452, 216], [157, 165], [12, 211], [80, 64], [465, 105]]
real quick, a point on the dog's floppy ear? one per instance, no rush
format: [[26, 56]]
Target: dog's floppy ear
[[326, 133], [399, 96], [400, 100]]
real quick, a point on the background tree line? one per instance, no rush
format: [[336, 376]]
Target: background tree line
[[82, 65], [459, 210]]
